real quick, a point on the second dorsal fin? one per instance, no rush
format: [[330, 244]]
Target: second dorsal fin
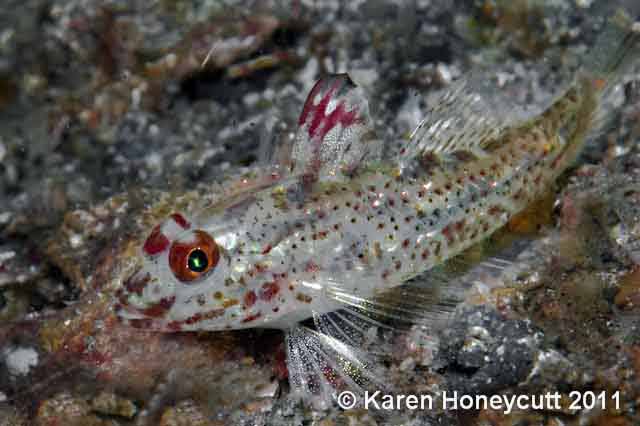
[[335, 134], [467, 117]]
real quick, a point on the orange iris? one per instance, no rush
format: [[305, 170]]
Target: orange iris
[[191, 260]]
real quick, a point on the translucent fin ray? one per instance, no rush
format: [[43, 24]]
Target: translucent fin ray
[[616, 49], [320, 366], [275, 146], [466, 117], [354, 333], [355, 328], [614, 55], [426, 301]]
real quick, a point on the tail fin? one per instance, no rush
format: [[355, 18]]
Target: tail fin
[[584, 111], [616, 50], [614, 55]]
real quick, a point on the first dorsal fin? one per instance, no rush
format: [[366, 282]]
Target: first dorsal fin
[[335, 133]]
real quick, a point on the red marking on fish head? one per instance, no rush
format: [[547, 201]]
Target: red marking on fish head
[[156, 243], [180, 221], [162, 234], [136, 284], [140, 322], [160, 308]]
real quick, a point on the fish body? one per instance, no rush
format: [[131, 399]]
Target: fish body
[[373, 231], [339, 224]]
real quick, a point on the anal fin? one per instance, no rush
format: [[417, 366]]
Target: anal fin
[[426, 302]]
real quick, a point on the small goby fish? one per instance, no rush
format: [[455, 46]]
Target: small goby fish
[[340, 223]]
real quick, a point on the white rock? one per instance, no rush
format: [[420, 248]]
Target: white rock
[[19, 360]]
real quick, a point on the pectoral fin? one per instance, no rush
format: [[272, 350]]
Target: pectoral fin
[[321, 366]]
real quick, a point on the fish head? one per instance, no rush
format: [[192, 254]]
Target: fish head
[[181, 283]]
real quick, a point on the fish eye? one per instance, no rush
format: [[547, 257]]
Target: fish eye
[[198, 261], [189, 260]]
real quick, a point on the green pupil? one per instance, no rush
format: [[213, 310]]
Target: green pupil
[[197, 261]]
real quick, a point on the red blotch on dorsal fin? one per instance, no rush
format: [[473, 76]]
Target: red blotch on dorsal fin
[[315, 111], [335, 132]]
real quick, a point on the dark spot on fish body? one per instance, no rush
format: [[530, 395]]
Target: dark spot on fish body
[[174, 326], [193, 319], [214, 313], [311, 267], [268, 291], [250, 299], [495, 210], [251, 317], [304, 298], [446, 231], [438, 247], [141, 323], [229, 303]]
